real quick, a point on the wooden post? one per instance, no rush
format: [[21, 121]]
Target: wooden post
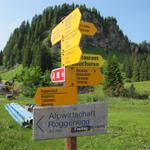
[[71, 143], [71, 80]]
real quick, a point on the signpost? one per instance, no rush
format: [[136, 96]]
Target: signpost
[[69, 31], [46, 96], [69, 121], [80, 69]]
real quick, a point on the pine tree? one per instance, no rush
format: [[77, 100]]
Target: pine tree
[[1, 58], [148, 66], [113, 78], [136, 67], [128, 69], [142, 71]]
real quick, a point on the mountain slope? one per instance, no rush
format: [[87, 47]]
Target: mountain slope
[[30, 43]]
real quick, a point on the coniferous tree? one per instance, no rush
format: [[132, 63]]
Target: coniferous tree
[[1, 58], [143, 70], [128, 69], [136, 74], [113, 78], [148, 66]]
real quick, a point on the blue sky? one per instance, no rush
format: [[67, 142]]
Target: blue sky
[[133, 16]]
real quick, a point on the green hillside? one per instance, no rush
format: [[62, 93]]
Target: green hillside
[[9, 74]]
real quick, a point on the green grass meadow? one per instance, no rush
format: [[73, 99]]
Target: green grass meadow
[[128, 126], [8, 75]]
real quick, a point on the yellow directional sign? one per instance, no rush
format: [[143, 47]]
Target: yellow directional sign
[[90, 60], [66, 26], [85, 76], [46, 96], [87, 28], [71, 56], [56, 34], [71, 41], [71, 22], [88, 76]]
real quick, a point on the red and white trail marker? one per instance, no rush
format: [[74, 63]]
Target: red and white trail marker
[[58, 75]]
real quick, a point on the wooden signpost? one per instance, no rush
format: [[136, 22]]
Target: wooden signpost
[[61, 116]]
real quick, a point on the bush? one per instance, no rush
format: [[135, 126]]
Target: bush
[[31, 79], [0, 79], [129, 93]]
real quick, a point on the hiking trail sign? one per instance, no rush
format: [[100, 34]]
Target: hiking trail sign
[[85, 76], [49, 96], [69, 121], [69, 32]]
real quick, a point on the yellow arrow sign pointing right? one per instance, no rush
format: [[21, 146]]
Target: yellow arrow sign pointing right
[[71, 56], [87, 28]]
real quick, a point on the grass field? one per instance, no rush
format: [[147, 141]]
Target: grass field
[[128, 124], [141, 86], [128, 127], [8, 75]]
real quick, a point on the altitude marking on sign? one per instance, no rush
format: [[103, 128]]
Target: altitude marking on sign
[[71, 56], [66, 26], [69, 121], [87, 28], [71, 41], [90, 60], [46, 96]]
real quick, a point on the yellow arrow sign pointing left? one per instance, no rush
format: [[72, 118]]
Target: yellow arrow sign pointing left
[[46, 96], [66, 26]]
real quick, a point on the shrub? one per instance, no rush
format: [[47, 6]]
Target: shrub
[[31, 79]]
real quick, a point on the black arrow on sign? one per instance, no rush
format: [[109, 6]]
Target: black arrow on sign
[[39, 125]]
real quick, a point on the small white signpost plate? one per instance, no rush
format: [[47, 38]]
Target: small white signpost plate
[[69, 120]]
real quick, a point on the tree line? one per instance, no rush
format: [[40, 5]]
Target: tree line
[[30, 43], [138, 67]]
